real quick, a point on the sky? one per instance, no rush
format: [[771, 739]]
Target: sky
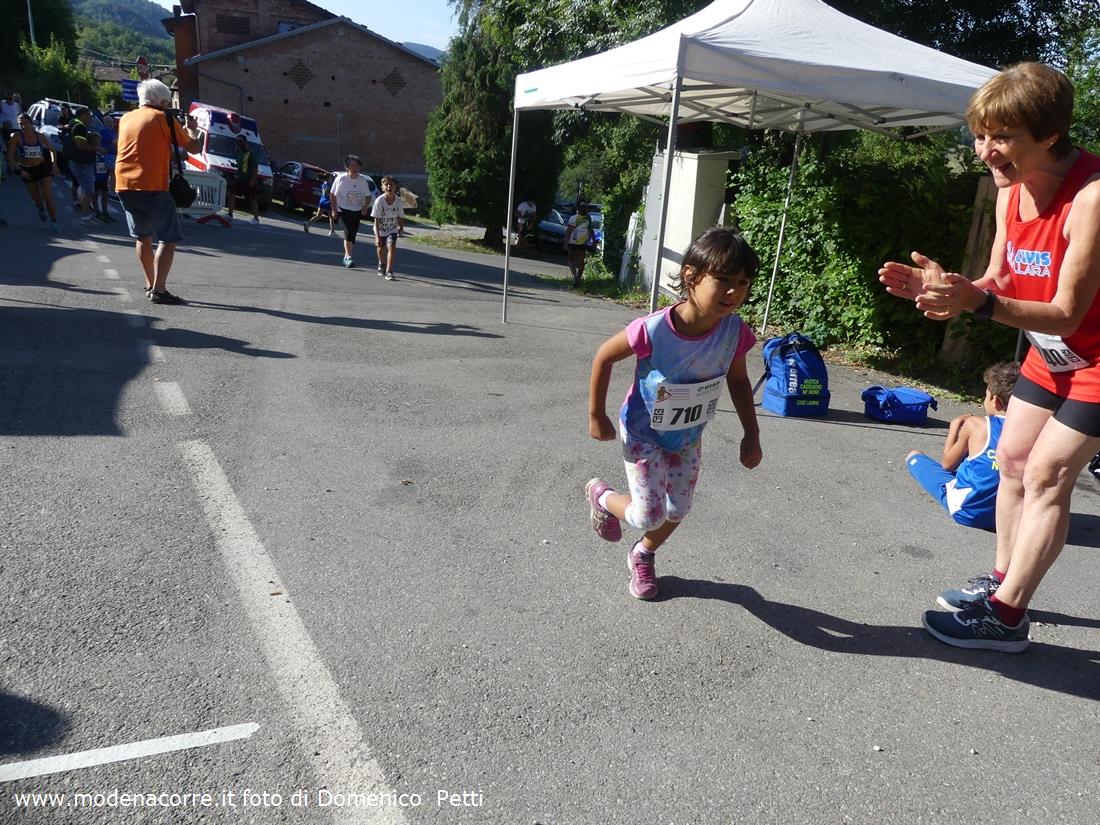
[[430, 22]]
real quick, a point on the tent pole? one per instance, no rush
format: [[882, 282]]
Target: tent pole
[[671, 147], [782, 229], [511, 211]]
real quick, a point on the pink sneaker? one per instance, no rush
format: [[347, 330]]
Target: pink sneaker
[[643, 578], [607, 527]]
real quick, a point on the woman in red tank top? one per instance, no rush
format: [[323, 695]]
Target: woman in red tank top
[[1043, 277]]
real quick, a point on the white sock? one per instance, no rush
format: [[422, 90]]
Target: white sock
[[602, 500]]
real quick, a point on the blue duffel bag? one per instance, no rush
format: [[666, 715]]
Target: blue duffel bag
[[897, 405]]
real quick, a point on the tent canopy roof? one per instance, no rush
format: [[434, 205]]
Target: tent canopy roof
[[767, 64]]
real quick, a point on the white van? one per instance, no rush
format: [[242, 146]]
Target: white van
[[220, 128]]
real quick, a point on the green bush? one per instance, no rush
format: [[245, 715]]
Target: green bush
[[870, 200]]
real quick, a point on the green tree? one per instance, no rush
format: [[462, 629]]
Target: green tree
[[53, 20], [469, 138], [142, 17], [113, 40], [993, 34], [50, 73], [1082, 65]]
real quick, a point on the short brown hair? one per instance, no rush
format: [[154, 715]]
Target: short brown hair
[[718, 250], [387, 179], [1032, 95], [1000, 380]]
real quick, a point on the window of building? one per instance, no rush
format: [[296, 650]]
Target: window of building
[[228, 24]]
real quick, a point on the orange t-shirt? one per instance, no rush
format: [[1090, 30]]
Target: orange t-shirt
[[145, 150]]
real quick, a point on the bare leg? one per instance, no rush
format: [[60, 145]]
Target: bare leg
[[166, 253], [35, 192], [255, 204], [144, 248], [618, 503], [1055, 461], [348, 247], [381, 250], [1023, 424], [391, 257], [45, 190]]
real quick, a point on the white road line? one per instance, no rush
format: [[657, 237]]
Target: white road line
[[111, 274], [134, 318], [90, 244], [120, 753], [103, 259], [122, 292], [171, 398], [153, 353], [327, 733]]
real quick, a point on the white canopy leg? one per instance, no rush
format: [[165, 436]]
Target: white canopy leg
[[508, 217], [782, 230], [656, 289]]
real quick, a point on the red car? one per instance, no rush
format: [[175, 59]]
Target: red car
[[298, 185]]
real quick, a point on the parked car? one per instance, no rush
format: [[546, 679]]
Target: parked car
[[45, 114], [298, 185], [551, 229]]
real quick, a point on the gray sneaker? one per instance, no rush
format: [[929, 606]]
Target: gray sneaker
[[979, 587]]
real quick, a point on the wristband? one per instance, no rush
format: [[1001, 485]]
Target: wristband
[[985, 311]]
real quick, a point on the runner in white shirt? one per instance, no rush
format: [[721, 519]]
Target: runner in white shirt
[[350, 198], [389, 220], [525, 217]]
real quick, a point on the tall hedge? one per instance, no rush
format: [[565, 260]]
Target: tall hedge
[[870, 200]]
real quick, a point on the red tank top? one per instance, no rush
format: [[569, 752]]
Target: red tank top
[[1033, 260]]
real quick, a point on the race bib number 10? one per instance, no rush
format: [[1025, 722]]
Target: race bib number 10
[[680, 406], [1058, 357]]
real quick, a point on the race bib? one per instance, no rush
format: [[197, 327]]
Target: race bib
[[100, 167], [355, 199], [1057, 356], [680, 406], [32, 152]]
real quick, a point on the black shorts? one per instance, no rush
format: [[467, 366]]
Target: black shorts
[[351, 217], [1080, 416], [37, 173], [578, 247]]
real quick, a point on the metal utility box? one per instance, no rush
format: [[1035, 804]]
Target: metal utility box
[[696, 196]]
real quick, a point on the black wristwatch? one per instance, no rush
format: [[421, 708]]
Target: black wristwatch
[[985, 311]]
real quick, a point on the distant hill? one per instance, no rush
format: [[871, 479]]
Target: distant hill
[[140, 16], [430, 52]]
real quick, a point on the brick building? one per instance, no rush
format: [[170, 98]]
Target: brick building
[[319, 85]]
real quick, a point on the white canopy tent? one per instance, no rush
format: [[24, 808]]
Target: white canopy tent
[[758, 64]]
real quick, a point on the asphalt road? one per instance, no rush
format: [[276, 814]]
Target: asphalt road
[[340, 521]]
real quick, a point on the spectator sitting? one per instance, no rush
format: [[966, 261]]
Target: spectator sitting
[[965, 482]]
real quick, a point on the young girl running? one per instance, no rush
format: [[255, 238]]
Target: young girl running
[[684, 355]]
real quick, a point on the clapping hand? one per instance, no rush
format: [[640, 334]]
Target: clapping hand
[[911, 281]]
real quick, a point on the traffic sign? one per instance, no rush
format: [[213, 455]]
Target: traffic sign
[[143, 68], [129, 90]]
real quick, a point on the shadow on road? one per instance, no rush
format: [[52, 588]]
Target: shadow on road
[[63, 371], [1054, 667], [26, 726], [383, 324]]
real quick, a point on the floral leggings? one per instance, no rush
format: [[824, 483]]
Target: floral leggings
[[662, 483]]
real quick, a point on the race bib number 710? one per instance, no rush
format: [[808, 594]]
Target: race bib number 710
[[680, 406]]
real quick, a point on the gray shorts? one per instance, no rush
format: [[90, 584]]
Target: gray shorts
[[151, 214], [85, 176]]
